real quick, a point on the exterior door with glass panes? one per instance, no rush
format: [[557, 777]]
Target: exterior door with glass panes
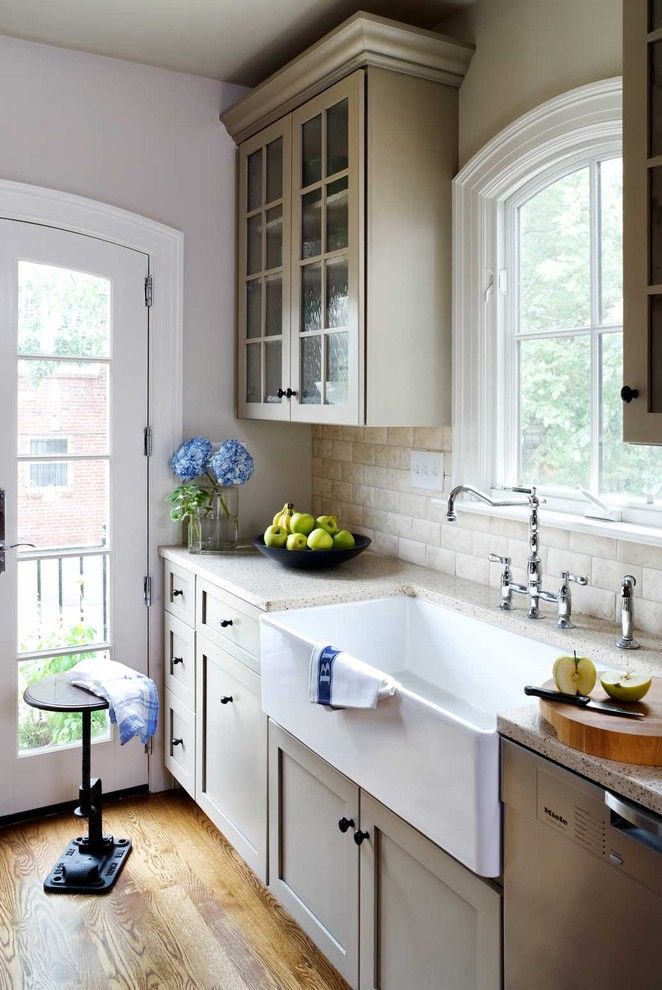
[[264, 274], [73, 406], [327, 261]]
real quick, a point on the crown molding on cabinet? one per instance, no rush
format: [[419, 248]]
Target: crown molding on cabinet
[[364, 39]]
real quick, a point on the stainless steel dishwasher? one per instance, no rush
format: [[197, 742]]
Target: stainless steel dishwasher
[[582, 882]]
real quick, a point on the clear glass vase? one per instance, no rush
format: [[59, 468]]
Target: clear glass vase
[[194, 533], [220, 522]]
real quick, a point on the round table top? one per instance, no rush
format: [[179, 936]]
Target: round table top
[[57, 694]]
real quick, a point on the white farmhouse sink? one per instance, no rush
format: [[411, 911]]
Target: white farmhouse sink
[[431, 753]]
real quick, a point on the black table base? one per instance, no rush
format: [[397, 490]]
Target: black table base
[[81, 870]]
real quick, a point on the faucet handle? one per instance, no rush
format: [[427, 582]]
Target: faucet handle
[[497, 559], [627, 585], [577, 578]]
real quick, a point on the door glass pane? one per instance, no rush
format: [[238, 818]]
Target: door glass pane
[[62, 407], [253, 372], [311, 370], [254, 245], [62, 601], [62, 312], [336, 369], [254, 308], [337, 157], [274, 170], [555, 256], [311, 297], [337, 224], [273, 371], [630, 468], [555, 405], [655, 220], [254, 184], [336, 293], [275, 237], [274, 310], [655, 99], [311, 150], [611, 243], [40, 730], [63, 503], [311, 224]]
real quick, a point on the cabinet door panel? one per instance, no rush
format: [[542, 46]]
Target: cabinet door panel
[[231, 785], [426, 921], [327, 256], [313, 866], [179, 742], [263, 293]]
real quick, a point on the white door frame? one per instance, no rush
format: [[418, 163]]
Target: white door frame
[[165, 248]]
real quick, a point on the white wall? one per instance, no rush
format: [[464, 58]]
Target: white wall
[[526, 52], [149, 140]]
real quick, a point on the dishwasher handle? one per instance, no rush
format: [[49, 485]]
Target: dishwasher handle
[[648, 822]]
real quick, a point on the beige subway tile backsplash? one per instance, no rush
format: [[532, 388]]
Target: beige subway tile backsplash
[[362, 474]]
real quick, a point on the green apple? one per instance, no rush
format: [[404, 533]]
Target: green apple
[[624, 685], [297, 541], [328, 523], [319, 539], [275, 536], [343, 540], [302, 522], [574, 675]]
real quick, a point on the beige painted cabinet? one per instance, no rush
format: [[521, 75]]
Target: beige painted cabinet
[[425, 921], [642, 221], [346, 158]]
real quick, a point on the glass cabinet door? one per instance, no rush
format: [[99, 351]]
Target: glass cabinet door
[[327, 207], [264, 274]]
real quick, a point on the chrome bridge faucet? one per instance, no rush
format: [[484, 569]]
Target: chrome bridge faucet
[[533, 587]]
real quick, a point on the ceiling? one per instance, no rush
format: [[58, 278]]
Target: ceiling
[[240, 41]]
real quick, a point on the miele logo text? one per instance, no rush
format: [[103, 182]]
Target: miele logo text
[[557, 818]]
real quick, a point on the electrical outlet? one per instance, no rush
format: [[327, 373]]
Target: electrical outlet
[[427, 470]]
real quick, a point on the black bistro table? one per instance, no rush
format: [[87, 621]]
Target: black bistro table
[[90, 864]]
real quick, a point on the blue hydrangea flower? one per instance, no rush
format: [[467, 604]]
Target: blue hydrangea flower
[[231, 464], [192, 458]]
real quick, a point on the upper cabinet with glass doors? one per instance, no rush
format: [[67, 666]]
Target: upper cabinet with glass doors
[[346, 158], [642, 221]]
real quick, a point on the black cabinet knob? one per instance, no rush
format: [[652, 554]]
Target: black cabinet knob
[[281, 393], [345, 824], [628, 394], [177, 591], [176, 660], [360, 836], [226, 699], [226, 622], [177, 742], [290, 392]]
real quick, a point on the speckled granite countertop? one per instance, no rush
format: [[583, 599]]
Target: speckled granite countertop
[[272, 588]]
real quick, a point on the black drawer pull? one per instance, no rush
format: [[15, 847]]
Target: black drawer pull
[[281, 393], [226, 622], [360, 836], [226, 698], [345, 824], [177, 742], [290, 393], [628, 394], [177, 591], [176, 660]]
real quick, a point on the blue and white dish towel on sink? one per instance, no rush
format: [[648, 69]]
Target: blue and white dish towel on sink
[[339, 680]]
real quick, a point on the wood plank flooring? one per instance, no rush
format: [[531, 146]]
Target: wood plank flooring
[[185, 913]]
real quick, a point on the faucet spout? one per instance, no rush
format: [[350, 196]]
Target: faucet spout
[[451, 515]]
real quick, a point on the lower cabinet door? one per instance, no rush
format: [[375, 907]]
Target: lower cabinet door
[[179, 741], [426, 921], [313, 858], [231, 779]]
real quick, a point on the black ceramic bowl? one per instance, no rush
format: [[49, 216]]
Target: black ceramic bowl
[[311, 560]]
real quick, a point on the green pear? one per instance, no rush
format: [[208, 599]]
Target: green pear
[[319, 539], [343, 540], [275, 536], [297, 541], [328, 523], [302, 522]]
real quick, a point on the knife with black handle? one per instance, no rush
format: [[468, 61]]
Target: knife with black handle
[[581, 701]]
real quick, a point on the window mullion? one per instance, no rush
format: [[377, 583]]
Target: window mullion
[[595, 279]]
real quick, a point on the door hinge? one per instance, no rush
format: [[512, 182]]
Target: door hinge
[[149, 291], [147, 590], [149, 747], [148, 441]]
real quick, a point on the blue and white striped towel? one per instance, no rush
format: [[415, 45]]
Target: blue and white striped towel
[[133, 698], [339, 680]]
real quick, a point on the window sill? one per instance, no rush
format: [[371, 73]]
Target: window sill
[[629, 532]]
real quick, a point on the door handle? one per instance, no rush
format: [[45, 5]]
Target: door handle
[[360, 836], [177, 742], [345, 824], [638, 817]]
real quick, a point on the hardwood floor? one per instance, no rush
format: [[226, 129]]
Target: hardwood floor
[[185, 913]]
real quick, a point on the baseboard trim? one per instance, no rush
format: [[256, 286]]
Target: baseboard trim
[[68, 806]]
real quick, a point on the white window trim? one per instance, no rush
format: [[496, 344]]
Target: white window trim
[[544, 144]]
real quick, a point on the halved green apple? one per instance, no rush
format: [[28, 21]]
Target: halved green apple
[[574, 675], [625, 685]]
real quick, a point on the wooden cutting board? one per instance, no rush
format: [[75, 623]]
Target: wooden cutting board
[[627, 740]]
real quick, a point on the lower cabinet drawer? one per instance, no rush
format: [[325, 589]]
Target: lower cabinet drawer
[[179, 742], [231, 780], [229, 622], [179, 659]]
